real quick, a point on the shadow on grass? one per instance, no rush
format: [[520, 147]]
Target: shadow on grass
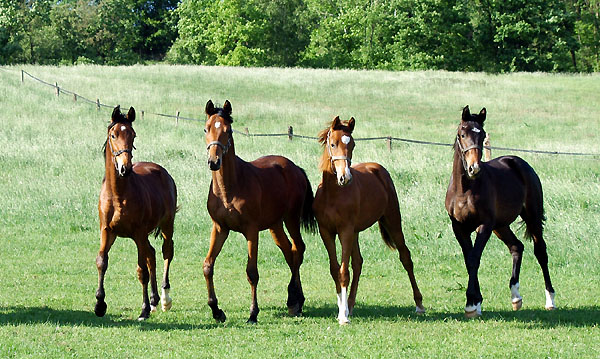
[[588, 316], [40, 315]]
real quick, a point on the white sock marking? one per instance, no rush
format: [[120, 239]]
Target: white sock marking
[[550, 300], [514, 293], [343, 307]]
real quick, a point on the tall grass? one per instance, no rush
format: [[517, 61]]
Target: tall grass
[[52, 166]]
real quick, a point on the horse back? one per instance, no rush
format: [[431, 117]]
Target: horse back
[[377, 193]]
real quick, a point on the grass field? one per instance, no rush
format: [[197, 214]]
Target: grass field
[[52, 166]]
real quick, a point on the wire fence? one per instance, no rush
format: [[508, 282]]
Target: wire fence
[[290, 134]]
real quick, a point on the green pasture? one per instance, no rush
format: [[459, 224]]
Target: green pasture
[[51, 167]]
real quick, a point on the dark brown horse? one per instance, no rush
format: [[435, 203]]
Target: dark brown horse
[[136, 199], [350, 200], [248, 197], [487, 197]]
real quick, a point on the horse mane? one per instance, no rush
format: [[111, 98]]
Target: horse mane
[[324, 163]]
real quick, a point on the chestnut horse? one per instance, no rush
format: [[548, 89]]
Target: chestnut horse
[[136, 199], [487, 197], [248, 197], [350, 200]]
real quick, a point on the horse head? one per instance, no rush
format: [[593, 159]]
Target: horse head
[[469, 140], [120, 140], [218, 132], [339, 144]]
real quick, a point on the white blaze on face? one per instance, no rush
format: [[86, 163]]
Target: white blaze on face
[[476, 130], [123, 128], [217, 124], [345, 139]]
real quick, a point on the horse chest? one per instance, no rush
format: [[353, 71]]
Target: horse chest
[[464, 209]]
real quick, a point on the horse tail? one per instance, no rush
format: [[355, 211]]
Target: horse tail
[[307, 218], [387, 239]]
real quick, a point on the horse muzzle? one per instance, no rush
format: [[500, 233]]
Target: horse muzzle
[[214, 165], [473, 170]]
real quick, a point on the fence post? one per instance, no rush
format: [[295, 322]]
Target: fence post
[[487, 152], [98, 104], [389, 143], [290, 133], [56, 89], [246, 131], [22, 76], [142, 115], [74, 97], [177, 119]]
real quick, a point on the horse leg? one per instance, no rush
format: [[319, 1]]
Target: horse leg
[[218, 236], [539, 249], [167, 250], [334, 266], [357, 262], [347, 238], [252, 273], [295, 297], [298, 248], [107, 238], [516, 250], [407, 263], [144, 263], [474, 297]]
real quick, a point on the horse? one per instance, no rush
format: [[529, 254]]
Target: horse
[[135, 200], [349, 200], [248, 197], [487, 197]]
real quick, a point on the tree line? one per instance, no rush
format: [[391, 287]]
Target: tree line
[[454, 35]]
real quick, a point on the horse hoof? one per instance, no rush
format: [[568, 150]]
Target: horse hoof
[[100, 308], [550, 307], [420, 310], [252, 321], [473, 314], [220, 317], [141, 318], [152, 309], [295, 310], [517, 305], [166, 305], [343, 321]]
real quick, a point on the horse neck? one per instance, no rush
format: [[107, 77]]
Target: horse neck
[[116, 184], [224, 180], [460, 179]]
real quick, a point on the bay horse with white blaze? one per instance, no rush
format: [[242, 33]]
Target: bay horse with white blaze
[[248, 197], [349, 200], [487, 197], [135, 199]]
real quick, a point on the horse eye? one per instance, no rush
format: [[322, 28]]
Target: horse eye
[[205, 130], [112, 136], [462, 136], [332, 145]]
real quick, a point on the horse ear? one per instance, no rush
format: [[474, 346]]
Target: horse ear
[[351, 124], [227, 107], [210, 108], [336, 123], [116, 114], [481, 116], [131, 114], [466, 114]]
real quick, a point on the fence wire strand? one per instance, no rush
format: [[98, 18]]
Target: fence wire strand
[[292, 135]]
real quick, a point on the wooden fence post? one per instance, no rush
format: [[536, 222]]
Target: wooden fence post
[[74, 97], [177, 119], [290, 133], [56, 89], [98, 104], [389, 143], [487, 152], [22, 76], [246, 131], [142, 115]]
